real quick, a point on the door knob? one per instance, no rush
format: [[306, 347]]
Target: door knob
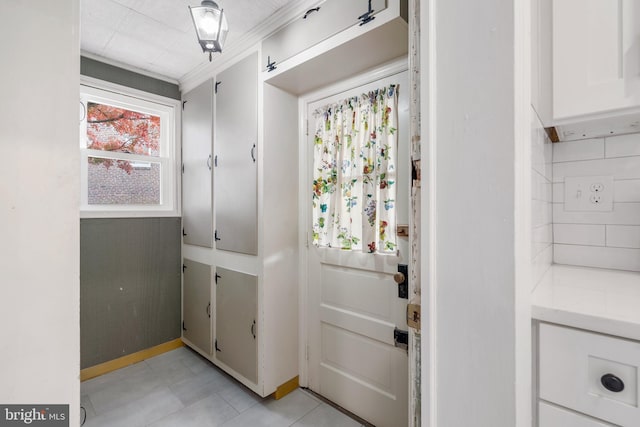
[[399, 277]]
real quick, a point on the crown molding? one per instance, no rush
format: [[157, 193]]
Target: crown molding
[[248, 42]]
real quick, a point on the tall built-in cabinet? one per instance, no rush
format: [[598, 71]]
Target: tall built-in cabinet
[[256, 237], [253, 263]]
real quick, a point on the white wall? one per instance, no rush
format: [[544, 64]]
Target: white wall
[[482, 348], [39, 190], [541, 200], [599, 239]]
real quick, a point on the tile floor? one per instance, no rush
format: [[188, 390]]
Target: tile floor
[[180, 388]]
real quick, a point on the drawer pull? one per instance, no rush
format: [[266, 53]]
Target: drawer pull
[[612, 383]]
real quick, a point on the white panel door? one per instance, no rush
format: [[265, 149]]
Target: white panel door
[[596, 56], [354, 306]]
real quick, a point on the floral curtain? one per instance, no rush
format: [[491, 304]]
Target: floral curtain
[[354, 167]]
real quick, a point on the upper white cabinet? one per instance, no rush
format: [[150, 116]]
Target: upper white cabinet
[[340, 40], [197, 134], [595, 56], [317, 24], [236, 97]]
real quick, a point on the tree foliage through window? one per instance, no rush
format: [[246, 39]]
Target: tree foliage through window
[[120, 130]]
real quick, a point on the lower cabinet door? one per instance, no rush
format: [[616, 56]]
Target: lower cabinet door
[[554, 416], [236, 343], [196, 305]]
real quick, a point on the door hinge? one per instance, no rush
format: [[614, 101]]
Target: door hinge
[[270, 65], [413, 316], [401, 338], [367, 16]]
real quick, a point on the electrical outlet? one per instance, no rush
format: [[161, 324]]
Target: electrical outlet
[[588, 193]]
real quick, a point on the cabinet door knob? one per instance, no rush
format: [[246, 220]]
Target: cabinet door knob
[[612, 383]]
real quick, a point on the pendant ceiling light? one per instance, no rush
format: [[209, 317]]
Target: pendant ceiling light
[[211, 26]]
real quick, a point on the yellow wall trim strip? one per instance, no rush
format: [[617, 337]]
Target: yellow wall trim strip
[[286, 388], [129, 359]]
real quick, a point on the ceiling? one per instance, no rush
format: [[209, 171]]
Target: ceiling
[[158, 36]]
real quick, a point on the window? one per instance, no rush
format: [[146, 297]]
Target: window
[[128, 154]]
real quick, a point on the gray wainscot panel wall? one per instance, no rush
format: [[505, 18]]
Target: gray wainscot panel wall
[[129, 286]]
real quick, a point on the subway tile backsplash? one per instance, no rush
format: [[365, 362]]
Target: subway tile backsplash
[[598, 239], [541, 200]]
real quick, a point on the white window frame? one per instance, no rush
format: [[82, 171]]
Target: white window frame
[[168, 109]]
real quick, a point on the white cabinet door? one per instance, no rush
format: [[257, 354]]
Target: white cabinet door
[[329, 18], [236, 328], [197, 134], [596, 56], [235, 161], [590, 373], [196, 305]]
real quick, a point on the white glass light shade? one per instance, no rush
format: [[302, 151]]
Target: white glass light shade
[[211, 26]]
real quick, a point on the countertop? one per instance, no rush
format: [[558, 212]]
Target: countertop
[[600, 300]]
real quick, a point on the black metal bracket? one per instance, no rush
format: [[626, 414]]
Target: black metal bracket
[[183, 327], [215, 236], [403, 287], [216, 277], [215, 89], [183, 102], [184, 267], [215, 345], [367, 16], [270, 65], [310, 11], [401, 338], [183, 232]]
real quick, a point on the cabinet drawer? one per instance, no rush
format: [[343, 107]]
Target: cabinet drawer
[[590, 373], [553, 416], [332, 17]]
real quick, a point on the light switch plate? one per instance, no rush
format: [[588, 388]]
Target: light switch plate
[[588, 193]]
